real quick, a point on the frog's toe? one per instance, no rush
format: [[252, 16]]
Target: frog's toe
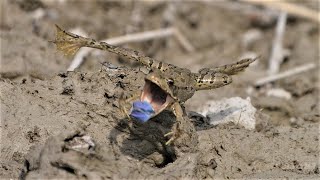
[[168, 134], [170, 140], [173, 135]]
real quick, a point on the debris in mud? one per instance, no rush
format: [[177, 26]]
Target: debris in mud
[[34, 135], [80, 142], [67, 86]]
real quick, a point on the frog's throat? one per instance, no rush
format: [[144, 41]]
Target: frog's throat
[[156, 96]]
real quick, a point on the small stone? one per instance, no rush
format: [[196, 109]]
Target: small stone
[[237, 110], [280, 93]]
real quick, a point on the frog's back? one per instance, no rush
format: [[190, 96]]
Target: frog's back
[[184, 81]]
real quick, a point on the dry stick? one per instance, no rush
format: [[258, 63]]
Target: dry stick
[[290, 8], [137, 37], [277, 52], [285, 74], [183, 41]]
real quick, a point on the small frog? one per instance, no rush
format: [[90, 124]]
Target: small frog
[[166, 86]]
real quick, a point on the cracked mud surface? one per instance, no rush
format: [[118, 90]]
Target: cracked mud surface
[[44, 108]]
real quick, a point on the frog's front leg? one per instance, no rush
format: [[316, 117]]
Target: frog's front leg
[[182, 128]]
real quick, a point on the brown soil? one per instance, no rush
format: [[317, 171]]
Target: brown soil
[[44, 109]]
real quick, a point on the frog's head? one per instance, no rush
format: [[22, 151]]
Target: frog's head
[[157, 91]]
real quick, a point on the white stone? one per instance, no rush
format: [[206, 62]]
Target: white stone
[[237, 110], [280, 93]]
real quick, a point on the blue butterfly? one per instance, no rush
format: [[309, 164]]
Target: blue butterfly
[[142, 111]]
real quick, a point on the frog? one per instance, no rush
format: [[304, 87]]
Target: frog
[[166, 86]]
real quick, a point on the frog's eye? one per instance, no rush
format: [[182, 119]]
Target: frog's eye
[[170, 82]]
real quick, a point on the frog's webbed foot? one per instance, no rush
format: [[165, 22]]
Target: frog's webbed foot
[[173, 137]]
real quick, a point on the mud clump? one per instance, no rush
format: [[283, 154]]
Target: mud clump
[[142, 152], [92, 112]]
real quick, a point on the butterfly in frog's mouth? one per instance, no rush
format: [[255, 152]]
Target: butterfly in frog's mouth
[[153, 100]]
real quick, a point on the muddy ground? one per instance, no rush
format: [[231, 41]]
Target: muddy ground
[[58, 124]]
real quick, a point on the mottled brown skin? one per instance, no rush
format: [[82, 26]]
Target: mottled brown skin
[[179, 83]]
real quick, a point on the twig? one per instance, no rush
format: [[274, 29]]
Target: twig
[[183, 41], [277, 52], [290, 8], [137, 37], [291, 72]]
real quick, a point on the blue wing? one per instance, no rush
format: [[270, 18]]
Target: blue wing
[[142, 111]]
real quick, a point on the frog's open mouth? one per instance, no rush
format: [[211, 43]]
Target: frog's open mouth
[[156, 96]]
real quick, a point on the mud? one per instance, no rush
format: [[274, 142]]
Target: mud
[[44, 109]]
